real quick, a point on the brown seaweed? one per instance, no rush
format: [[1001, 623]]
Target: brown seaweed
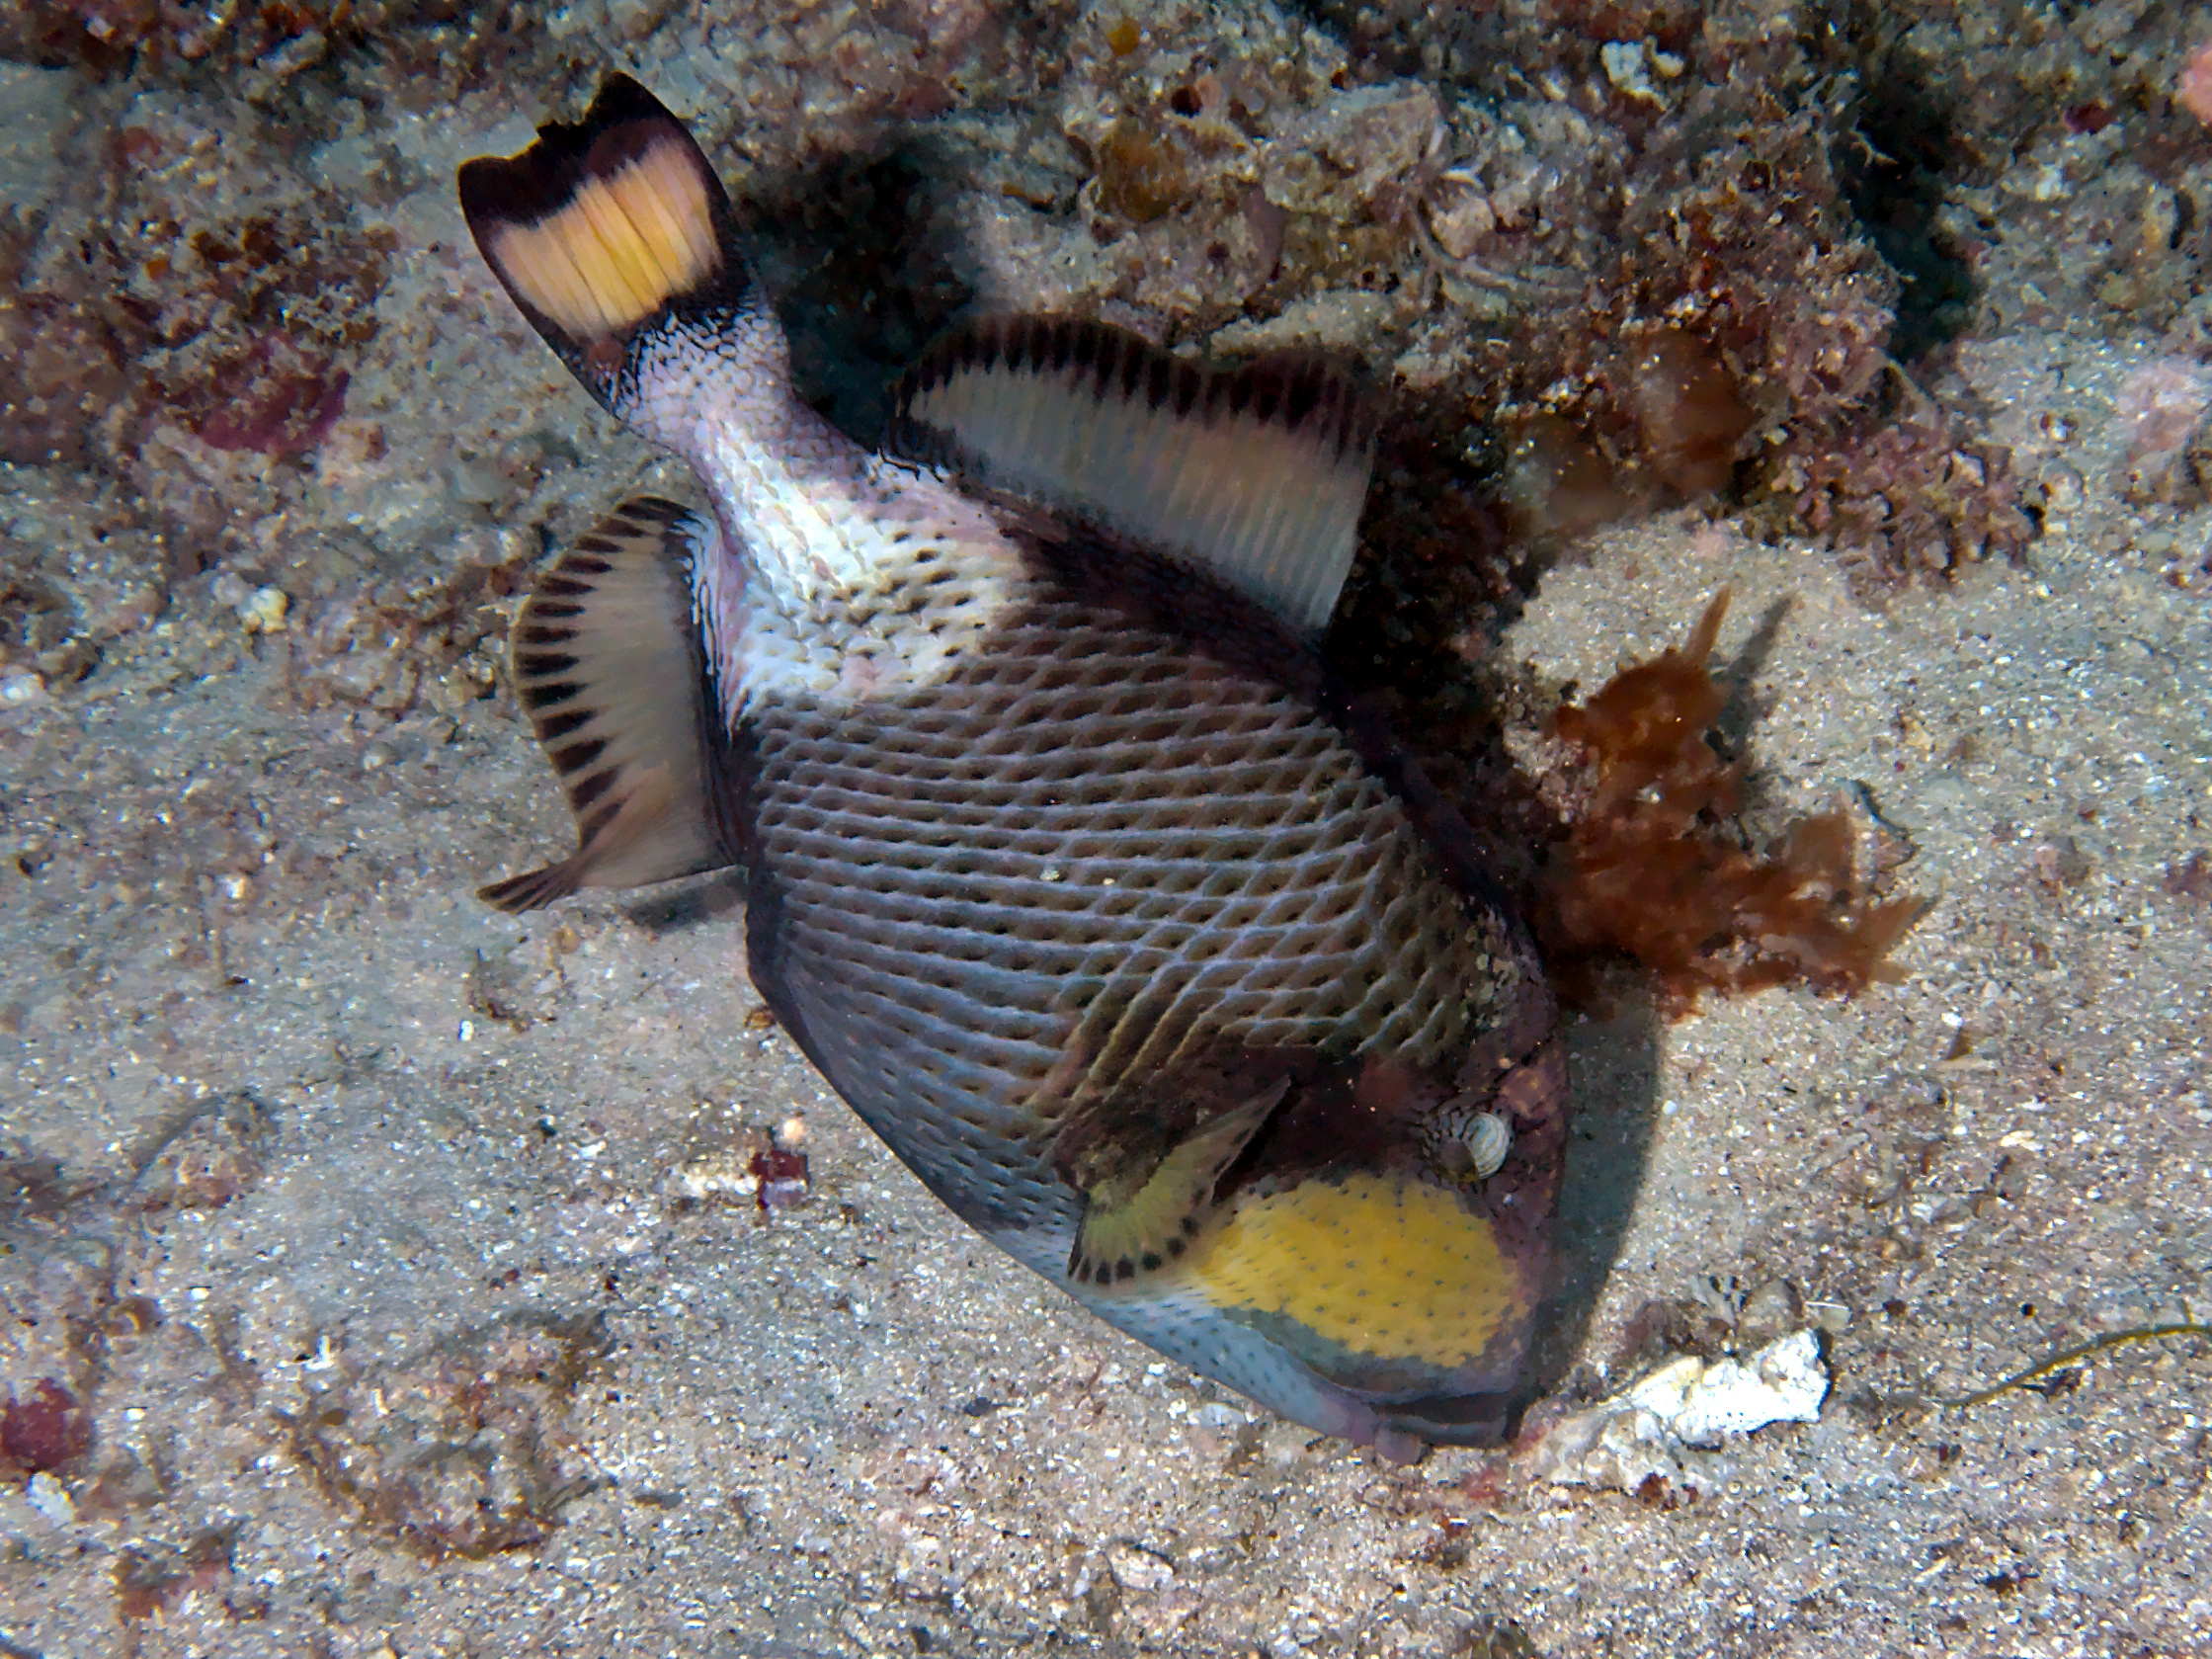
[[1657, 866]]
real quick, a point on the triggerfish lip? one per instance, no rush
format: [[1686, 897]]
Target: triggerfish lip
[[1401, 1430], [1398, 1424]]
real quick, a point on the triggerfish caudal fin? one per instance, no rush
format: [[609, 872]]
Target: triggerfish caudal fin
[[591, 656], [1255, 473], [604, 226]]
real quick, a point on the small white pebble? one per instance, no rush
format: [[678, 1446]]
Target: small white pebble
[[1134, 1568], [713, 1175], [263, 611], [50, 1499], [1623, 63]]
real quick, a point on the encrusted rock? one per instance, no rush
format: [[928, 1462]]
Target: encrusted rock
[[1334, 160]]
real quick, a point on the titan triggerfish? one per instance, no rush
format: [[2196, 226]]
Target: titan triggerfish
[[1068, 861]]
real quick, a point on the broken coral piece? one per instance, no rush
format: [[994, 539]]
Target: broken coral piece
[[1656, 867], [1702, 1403], [1648, 1438]]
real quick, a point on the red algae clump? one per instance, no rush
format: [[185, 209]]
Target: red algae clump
[[44, 1428], [1654, 867], [1918, 497]]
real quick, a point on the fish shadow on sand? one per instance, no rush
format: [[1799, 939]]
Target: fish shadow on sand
[[863, 272], [1739, 716], [1613, 1059], [693, 903]]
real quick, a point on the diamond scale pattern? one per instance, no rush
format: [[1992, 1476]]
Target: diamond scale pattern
[[1083, 858]]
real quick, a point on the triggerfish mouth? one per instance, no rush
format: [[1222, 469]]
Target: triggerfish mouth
[[1069, 862]]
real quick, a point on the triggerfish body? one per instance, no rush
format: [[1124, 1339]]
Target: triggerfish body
[[1068, 863]]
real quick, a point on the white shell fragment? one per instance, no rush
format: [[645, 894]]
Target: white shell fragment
[[1784, 1383], [1137, 1568], [263, 611], [1623, 63], [52, 1499], [1655, 1427]]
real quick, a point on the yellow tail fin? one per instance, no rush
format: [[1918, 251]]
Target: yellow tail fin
[[601, 226]]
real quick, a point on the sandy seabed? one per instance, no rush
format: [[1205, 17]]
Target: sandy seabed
[[397, 1262]]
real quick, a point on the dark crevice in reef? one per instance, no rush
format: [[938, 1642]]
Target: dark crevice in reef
[[863, 280], [1892, 172]]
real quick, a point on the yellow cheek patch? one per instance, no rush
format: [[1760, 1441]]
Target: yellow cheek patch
[[619, 249], [1396, 1270]]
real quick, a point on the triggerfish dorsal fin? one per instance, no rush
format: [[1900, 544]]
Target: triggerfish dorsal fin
[[1254, 472], [603, 225], [606, 660], [1135, 1233]]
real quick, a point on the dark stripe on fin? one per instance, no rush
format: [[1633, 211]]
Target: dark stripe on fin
[[602, 228], [1254, 472], [1129, 1233], [623, 712]]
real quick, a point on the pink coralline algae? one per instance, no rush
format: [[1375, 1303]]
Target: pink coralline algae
[[275, 400], [1918, 497], [2195, 93], [2162, 415], [2160, 403]]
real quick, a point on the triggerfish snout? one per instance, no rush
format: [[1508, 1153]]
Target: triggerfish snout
[[1070, 866]]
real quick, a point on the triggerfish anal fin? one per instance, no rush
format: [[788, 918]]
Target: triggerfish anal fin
[[604, 226], [1254, 472], [605, 658], [1132, 1233]]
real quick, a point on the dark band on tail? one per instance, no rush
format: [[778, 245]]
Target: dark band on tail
[[605, 225]]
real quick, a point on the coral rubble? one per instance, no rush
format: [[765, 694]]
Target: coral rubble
[[1612, 260]]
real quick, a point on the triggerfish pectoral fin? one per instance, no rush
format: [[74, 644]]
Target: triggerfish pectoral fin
[[606, 660], [1130, 1236]]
